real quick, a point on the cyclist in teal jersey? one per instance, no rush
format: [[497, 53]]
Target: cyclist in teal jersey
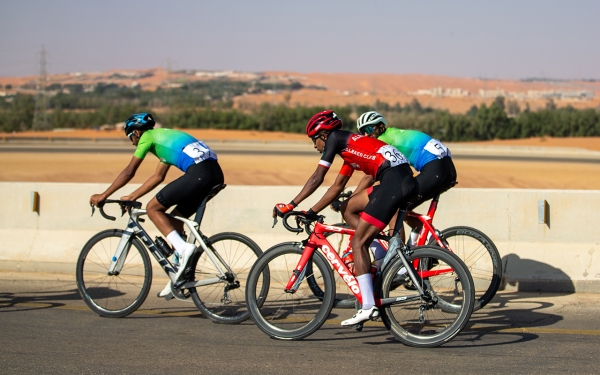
[[172, 147], [426, 155]]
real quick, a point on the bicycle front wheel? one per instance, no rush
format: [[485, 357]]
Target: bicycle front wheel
[[285, 315], [116, 295], [224, 301], [481, 257], [422, 322]]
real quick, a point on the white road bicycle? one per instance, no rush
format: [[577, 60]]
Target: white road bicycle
[[114, 273]]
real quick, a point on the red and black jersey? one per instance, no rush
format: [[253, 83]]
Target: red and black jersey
[[359, 152]]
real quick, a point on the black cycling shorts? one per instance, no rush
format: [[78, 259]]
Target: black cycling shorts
[[188, 191], [397, 187], [435, 176]]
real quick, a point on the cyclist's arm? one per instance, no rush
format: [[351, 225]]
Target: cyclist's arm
[[332, 193], [159, 176], [122, 179], [365, 182], [312, 184]]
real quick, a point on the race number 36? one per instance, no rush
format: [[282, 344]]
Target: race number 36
[[393, 155]]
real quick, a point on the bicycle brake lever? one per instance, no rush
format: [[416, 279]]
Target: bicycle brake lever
[[274, 221], [93, 209]]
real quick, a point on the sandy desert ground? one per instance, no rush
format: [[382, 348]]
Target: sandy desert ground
[[289, 170], [342, 88], [294, 170]]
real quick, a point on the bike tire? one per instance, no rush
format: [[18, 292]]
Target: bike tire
[[422, 323], [284, 315], [119, 295], [217, 301], [481, 257]]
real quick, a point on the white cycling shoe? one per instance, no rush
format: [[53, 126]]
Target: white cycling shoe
[[184, 258], [362, 316], [166, 291]]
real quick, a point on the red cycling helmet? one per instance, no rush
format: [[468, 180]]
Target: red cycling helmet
[[323, 121]]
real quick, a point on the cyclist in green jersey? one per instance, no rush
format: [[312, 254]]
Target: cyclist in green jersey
[[172, 147]]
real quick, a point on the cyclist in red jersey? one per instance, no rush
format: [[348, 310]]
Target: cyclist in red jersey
[[382, 163]]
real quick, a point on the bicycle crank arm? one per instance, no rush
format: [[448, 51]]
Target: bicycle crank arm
[[192, 284], [397, 300]]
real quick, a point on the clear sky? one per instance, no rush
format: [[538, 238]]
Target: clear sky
[[489, 39]]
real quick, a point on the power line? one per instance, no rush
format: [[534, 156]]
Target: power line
[[40, 116]]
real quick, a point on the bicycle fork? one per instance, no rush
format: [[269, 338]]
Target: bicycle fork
[[118, 259], [300, 271]]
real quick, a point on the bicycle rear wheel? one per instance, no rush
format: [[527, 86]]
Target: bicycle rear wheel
[[225, 301], [119, 295], [481, 257], [283, 315], [422, 322]]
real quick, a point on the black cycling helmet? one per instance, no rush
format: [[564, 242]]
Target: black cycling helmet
[[139, 121]]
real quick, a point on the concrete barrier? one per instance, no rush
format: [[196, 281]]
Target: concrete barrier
[[559, 255]]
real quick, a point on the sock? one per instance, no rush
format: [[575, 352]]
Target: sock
[[378, 252], [365, 284], [177, 242], [414, 235]]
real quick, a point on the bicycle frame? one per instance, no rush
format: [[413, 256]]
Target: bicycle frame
[[317, 239], [135, 229], [427, 221]]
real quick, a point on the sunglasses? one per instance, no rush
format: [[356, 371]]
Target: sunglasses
[[314, 138], [130, 136], [367, 130]]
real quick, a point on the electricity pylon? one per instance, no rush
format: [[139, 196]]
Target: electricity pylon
[[40, 116]]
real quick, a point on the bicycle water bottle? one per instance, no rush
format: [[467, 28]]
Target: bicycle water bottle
[[163, 246], [348, 259]]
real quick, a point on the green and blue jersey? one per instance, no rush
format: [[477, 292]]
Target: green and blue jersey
[[418, 147], [173, 147]]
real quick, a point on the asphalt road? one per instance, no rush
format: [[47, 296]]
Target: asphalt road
[[46, 328]]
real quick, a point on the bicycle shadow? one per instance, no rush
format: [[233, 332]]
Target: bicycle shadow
[[18, 302], [506, 320], [528, 275]]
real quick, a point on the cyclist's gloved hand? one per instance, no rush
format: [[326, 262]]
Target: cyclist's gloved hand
[[282, 208], [311, 215], [336, 205]]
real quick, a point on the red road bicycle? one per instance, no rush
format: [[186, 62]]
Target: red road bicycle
[[291, 310], [472, 246]]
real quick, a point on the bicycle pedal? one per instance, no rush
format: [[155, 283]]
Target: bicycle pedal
[[169, 297], [358, 327]]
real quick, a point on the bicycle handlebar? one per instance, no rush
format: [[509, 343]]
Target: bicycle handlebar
[[300, 218], [123, 204], [345, 195]]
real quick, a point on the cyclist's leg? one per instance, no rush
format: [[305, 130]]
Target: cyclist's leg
[[396, 188], [436, 175], [353, 206], [187, 193], [351, 210], [157, 214], [364, 235]]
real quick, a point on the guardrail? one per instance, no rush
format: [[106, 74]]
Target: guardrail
[[560, 253]]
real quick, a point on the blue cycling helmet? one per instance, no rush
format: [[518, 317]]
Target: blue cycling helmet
[[139, 121]]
